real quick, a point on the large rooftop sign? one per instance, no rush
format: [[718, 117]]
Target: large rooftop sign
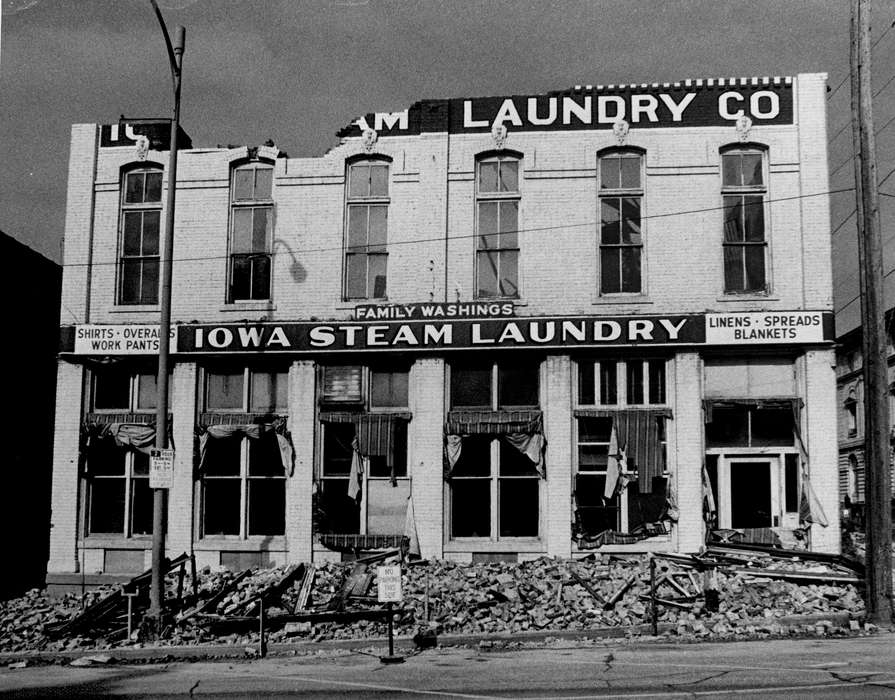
[[690, 103], [445, 333]]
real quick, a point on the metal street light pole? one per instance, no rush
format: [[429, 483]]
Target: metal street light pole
[[157, 590]]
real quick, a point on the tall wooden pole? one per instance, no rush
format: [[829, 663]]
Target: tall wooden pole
[[157, 583], [878, 487]]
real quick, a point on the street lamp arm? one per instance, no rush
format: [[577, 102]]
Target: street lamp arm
[[175, 53]]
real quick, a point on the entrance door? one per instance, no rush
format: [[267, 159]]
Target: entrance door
[[750, 494]]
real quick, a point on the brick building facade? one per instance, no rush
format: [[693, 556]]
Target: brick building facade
[[541, 324]]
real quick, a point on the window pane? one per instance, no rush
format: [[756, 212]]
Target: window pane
[[772, 426], [130, 281], [791, 484], [593, 458], [517, 384], [151, 221], [342, 383], [377, 272], [260, 276], [263, 182], [755, 276], [475, 457], [133, 233], [270, 391], [105, 458], [514, 463], [264, 456], [111, 389], [388, 389], [610, 220], [337, 512], [357, 276], [486, 273], [241, 278], [242, 231], [731, 169], [518, 507], [509, 176], [610, 271], [733, 269], [378, 232], [630, 269], [153, 187], [224, 390], [133, 188], [586, 383], [379, 466], [594, 429], [595, 514], [243, 183], [379, 180], [267, 506], [141, 507], [223, 456], [471, 386], [337, 451], [107, 506], [488, 176], [610, 176], [752, 173], [733, 219], [608, 383], [729, 427], [754, 218], [635, 382], [260, 228], [656, 381], [509, 273], [471, 508], [488, 225], [149, 288], [630, 173], [630, 229], [357, 227], [221, 506], [359, 180], [147, 391], [509, 224]]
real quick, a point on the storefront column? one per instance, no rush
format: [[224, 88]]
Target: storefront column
[[686, 450], [65, 489], [819, 432], [556, 399], [299, 486], [181, 516], [426, 453]]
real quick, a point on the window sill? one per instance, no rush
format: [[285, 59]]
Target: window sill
[[134, 308], [727, 298], [352, 304], [659, 543], [249, 306], [253, 543], [614, 299], [480, 544], [116, 542]]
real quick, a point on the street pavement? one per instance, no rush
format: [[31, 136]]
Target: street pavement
[[817, 668]]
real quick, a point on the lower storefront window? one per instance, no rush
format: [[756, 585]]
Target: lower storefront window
[[119, 500]]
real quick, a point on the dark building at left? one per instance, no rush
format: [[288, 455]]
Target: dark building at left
[[31, 286]]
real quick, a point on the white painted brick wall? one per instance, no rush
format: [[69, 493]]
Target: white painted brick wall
[[426, 452], [181, 520], [688, 427], [557, 403], [302, 422]]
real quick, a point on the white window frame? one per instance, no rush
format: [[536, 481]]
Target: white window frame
[[744, 191], [776, 456], [497, 196], [129, 477], [143, 208], [367, 202], [621, 193], [252, 204]]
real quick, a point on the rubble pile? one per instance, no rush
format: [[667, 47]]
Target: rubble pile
[[724, 592]]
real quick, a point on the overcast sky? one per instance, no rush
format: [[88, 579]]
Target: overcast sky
[[296, 71]]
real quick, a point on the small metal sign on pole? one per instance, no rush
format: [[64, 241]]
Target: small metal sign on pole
[[388, 580], [161, 469]]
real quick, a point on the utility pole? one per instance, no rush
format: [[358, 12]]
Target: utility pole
[[878, 487], [157, 583]]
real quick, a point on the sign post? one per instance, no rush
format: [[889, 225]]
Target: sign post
[[388, 580]]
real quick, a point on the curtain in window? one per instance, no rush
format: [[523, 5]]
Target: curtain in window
[[521, 429], [253, 431], [137, 435], [637, 433]]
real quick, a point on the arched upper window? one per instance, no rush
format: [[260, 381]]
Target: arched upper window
[[498, 198], [366, 229], [251, 231], [744, 191], [140, 227], [621, 234]]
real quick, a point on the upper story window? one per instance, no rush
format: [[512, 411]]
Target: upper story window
[[140, 224], [241, 390], [621, 236], [123, 390], [497, 226], [251, 227], [851, 414], [366, 252], [494, 385], [745, 238]]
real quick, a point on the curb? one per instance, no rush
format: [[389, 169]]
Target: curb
[[241, 651]]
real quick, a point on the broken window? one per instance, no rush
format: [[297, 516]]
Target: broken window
[[497, 226], [363, 486], [243, 482], [251, 232], [139, 226], [745, 237], [366, 252], [621, 234]]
